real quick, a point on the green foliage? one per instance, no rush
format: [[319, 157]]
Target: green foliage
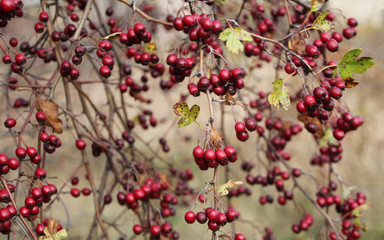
[[350, 63], [187, 115], [328, 138], [233, 38], [322, 23], [316, 5], [358, 213], [60, 235], [279, 95], [347, 191], [220, 2], [223, 189]]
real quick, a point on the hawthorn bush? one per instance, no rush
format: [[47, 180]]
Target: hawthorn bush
[[84, 86]]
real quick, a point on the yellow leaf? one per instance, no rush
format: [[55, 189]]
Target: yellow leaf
[[115, 35], [187, 115], [150, 48], [322, 23], [279, 95], [223, 189]]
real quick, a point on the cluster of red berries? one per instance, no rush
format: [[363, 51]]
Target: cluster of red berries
[[144, 58], [330, 154], [10, 9], [279, 141], [180, 67], [226, 81], [321, 102], [215, 219], [346, 123], [236, 192], [17, 64], [198, 27], [75, 192], [241, 129], [274, 177], [304, 223], [325, 197], [66, 69], [136, 35], [156, 231], [51, 142], [40, 227], [211, 158]]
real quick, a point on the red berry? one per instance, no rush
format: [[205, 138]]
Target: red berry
[[155, 230], [10, 123], [139, 29], [40, 116], [239, 127], [75, 192], [231, 153], [80, 144], [338, 134], [105, 71], [40, 173], [190, 217], [8, 5], [137, 229]]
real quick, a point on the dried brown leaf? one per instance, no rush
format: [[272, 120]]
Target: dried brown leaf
[[51, 111], [215, 138], [164, 178], [307, 119]]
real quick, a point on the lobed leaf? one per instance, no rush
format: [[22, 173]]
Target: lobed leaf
[[233, 38], [322, 23], [187, 115], [223, 189], [280, 95], [351, 63], [316, 5], [328, 138]]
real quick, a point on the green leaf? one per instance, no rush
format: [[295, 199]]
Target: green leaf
[[60, 235], [233, 38], [316, 5], [347, 191], [358, 213], [328, 138], [322, 23], [223, 189], [351, 63], [220, 2], [279, 95], [187, 115]]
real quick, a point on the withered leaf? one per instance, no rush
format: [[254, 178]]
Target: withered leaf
[[229, 100], [307, 119], [215, 138], [350, 82], [51, 111], [164, 178], [140, 97]]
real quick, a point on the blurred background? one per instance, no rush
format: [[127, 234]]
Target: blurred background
[[363, 158]]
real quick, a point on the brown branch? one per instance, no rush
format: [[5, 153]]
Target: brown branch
[[149, 18], [14, 204]]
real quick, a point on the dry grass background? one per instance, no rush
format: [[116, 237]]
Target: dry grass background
[[362, 165]]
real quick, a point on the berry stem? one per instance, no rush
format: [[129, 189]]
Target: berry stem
[[149, 18], [14, 204]]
